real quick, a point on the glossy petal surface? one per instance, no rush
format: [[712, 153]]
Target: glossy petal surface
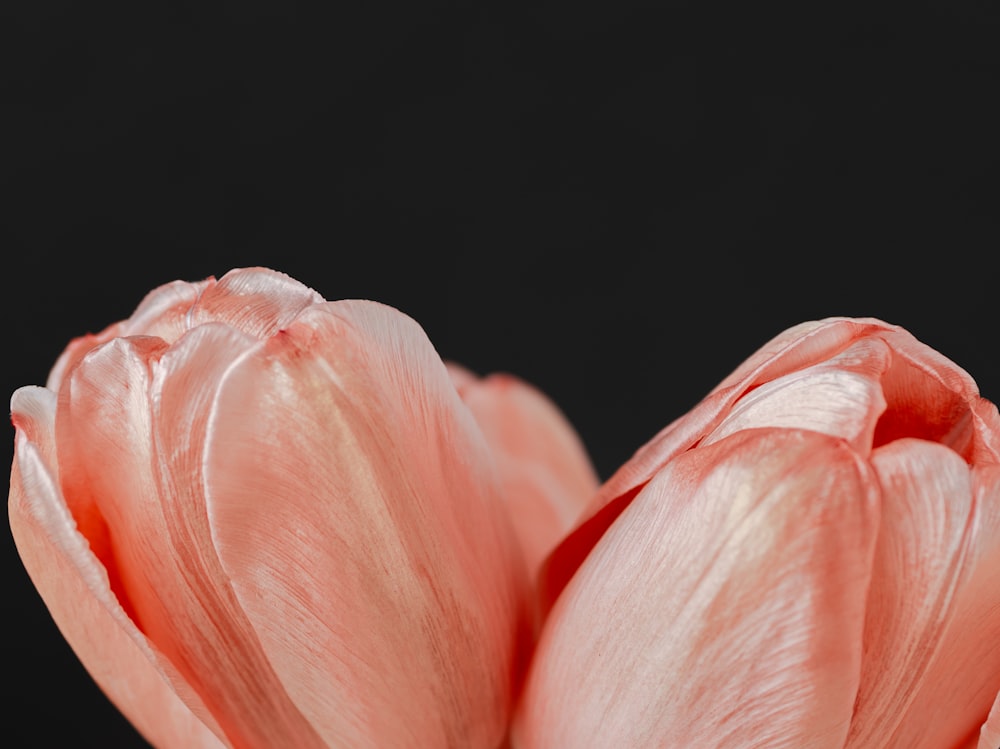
[[927, 507], [961, 677], [841, 397], [130, 432], [75, 587], [353, 507], [724, 607]]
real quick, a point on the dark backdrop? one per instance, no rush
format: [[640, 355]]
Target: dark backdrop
[[616, 204]]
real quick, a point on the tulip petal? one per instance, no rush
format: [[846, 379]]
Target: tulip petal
[[926, 509], [801, 346], [724, 607], [75, 587], [546, 475], [954, 676], [841, 397], [355, 511], [163, 313], [932, 398], [928, 397], [131, 425], [989, 737], [256, 301], [986, 442]]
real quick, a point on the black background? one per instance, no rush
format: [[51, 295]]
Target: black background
[[617, 204]]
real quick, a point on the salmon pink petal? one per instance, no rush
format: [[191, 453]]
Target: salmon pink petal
[[961, 677], [618, 491], [724, 607], [545, 472], [926, 509], [801, 346], [130, 431], [163, 312], [927, 397], [795, 349], [75, 587], [841, 396], [75, 351], [461, 377], [354, 508], [989, 737], [256, 301], [986, 440]]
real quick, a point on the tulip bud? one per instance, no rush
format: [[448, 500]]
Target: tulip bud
[[266, 520], [807, 559]]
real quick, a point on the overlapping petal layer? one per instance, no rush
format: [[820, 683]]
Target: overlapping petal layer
[[278, 515], [545, 472], [724, 608], [74, 585]]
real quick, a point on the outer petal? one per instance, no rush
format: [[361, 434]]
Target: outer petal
[[545, 472], [354, 508], [926, 511], [947, 587], [723, 608], [75, 588], [130, 431]]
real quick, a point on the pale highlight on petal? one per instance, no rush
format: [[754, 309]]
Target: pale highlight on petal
[[723, 608], [841, 397], [255, 301], [354, 508], [801, 346], [75, 588]]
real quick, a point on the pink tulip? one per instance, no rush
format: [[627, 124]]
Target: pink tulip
[[808, 559], [265, 520]]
